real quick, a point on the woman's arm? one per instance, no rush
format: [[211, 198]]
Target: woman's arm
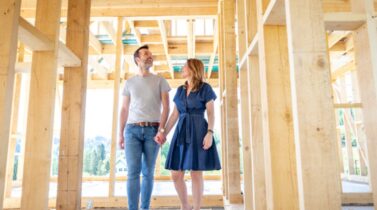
[[172, 120], [208, 139]]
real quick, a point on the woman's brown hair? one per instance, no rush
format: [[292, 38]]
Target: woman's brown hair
[[197, 68]]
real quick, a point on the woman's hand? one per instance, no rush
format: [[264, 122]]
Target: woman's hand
[[207, 142]]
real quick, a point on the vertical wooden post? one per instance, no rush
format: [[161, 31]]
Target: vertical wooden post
[[257, 150], [220, 18], [9, 15], [245, 111], [36, 178], [13, 137], [114, 132], [73, 110], [348, 136], [340, 150], [231, 106], [25, 108], [319, 184], [347, 128], [366, 65], [279, 147]]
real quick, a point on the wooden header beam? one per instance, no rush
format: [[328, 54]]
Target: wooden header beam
[[148, 13], [34, 39]]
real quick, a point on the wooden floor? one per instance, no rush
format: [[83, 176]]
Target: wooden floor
[[241, 208]]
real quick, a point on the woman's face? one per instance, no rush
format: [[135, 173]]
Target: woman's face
[[186, 72]]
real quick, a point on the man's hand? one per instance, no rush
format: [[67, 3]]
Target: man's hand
[[160, 138], [121, 142]]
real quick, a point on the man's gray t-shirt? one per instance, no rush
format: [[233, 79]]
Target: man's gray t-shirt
[[145, 97]]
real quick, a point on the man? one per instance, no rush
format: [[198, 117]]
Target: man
[[142, 127]]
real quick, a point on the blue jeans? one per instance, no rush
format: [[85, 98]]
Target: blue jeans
[[141, 153]]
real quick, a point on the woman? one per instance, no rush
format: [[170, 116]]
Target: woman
[[192, 147]]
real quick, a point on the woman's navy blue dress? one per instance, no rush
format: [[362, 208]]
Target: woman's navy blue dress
[[186, 149]]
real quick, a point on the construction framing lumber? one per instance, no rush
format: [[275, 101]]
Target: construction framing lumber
[[10, 11], [39, 133], [312, 103], [73, 109], [366, 66]]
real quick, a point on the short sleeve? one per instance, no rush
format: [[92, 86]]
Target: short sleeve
[[177, 93], [126, 91], [164, 85], [209, 94]]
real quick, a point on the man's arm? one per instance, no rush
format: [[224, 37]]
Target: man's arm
[[164, 117], [165, 109], [123, 119]]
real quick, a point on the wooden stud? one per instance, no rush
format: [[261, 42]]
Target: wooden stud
[[230, 71], [245, 109], [162, 27], [13, 137], [257, 149], [73, 109], [313, 112], [347, 128], [279, 150], [190, 38], [215, 48], [220, 32], [135, 31], [25, 107], [10, 11], [366, 65], [35, 185], [114, 131]]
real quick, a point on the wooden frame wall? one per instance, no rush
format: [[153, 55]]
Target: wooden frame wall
[[302, 52]]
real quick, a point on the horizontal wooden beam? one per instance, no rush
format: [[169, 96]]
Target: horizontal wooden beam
[[95, 44], [146, 24], [347, 105], [98, 202], [151, 39], [335, 36], [357, 199], [342, 70], [32, 37], [344, 21], [37, 41], [202, 48], [147, 13], [66, 57], [134, 4]]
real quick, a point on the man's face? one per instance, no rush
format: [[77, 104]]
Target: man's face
[[145, 58]]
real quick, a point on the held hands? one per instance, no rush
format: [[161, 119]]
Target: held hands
[[207, 142], [121, 142], [160, 138]]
